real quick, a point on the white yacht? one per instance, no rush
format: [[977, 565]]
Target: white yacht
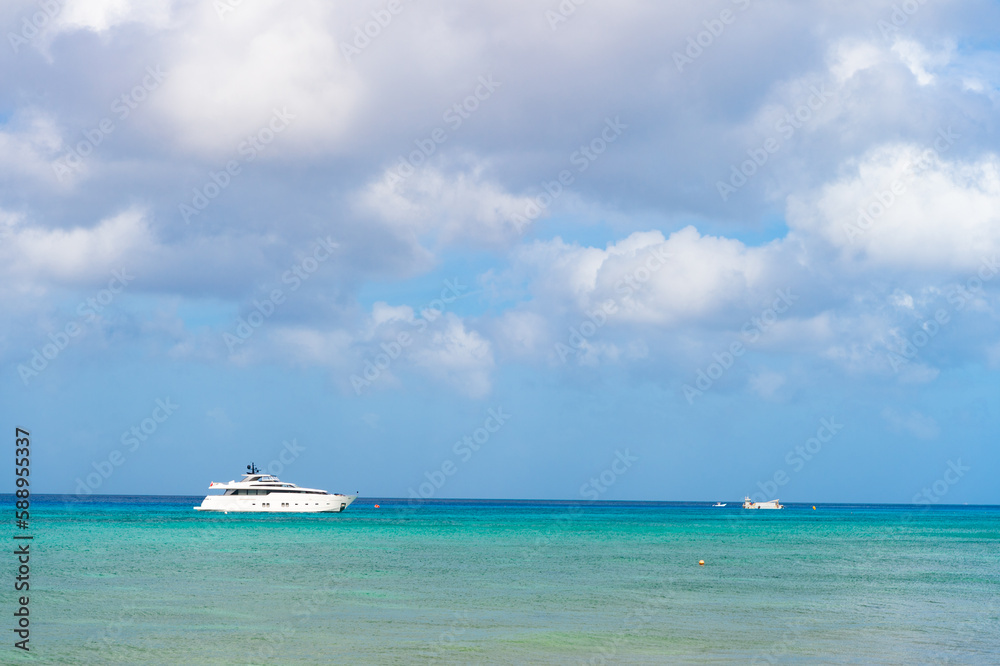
[[770, 504], [267, 493]]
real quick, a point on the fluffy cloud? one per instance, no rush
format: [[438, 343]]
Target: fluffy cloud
[[227, 75], [104, 15], [917, 59], [77, 255], [908, 207], [685, 278], [457, 355], [393, 340], [461, 207], [641, 226]]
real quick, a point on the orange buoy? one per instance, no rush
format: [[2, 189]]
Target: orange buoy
[[701, 563], [376, 506]]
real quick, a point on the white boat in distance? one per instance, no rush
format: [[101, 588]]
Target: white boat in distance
[[719, 504], [770, 504], [257, 492]]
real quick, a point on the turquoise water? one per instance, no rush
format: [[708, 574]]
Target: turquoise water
[[149, 580]]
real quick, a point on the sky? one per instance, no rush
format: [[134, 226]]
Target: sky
[[560, 250]]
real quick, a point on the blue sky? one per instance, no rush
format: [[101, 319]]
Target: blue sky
[[737, 247]]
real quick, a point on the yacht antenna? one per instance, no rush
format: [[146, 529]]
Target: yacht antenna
[[252, 469]]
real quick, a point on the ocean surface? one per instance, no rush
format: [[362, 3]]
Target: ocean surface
[[147, 580]]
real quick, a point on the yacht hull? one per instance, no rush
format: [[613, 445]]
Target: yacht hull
[[769, 504], [277, 503]]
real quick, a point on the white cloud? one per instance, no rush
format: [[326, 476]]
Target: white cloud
[[103, 15], [458, 356], [383, 313], [459, 207], [917, 59], [901, 299], [226, 78], [897, 210], [850, 57], [651, 279], [79, 254], [226, 75], [439, 345]]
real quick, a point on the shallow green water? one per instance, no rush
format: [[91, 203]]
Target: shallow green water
[[140, 580]]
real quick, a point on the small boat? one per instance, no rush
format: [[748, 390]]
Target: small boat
[[719, 504], [770, 504], [257, 492]]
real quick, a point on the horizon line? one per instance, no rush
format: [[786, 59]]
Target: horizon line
[[584, 502]]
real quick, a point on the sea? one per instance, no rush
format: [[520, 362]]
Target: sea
[[148, 580]]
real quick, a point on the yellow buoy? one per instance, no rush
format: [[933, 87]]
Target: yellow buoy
[[701, 563], [814, 508]]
